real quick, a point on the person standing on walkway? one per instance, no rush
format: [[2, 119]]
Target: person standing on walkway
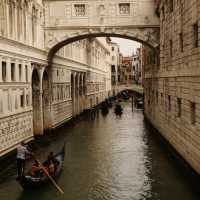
[[22, 151]]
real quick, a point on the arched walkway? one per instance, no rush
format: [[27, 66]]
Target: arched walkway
[[144, 38]]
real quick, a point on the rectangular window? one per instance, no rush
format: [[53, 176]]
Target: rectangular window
[[179, 107], [26, 73], [12, 71], [157, 97], [27, 100], [79, 10], [22, 100], [195, 35], [181, 41], [20, 72], [169, 103], [124, 8], [193, 113], [113, 68], [4, 71], [113, 48]]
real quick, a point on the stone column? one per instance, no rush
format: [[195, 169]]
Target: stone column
[[0, 69], [8, 70]]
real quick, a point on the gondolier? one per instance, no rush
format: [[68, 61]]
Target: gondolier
[[31, 180], [22, 151]]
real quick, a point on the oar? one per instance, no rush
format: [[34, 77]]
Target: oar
[[48, 175]]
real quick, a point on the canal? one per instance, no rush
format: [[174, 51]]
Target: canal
[[107, 158]]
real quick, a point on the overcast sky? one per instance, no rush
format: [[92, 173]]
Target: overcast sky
[[127, 47]]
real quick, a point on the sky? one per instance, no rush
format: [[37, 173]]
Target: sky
[[127, 47]]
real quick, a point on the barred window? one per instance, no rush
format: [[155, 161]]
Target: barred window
[[195, 35], [193, 112], [124, 8], [170, 48], [80, 10], [179, 103], [169, 103]]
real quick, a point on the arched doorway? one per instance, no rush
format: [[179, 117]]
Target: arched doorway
[[36, 104], [46, 101]]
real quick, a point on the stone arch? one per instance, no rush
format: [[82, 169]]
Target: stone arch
[[146, 36], [36, 103]]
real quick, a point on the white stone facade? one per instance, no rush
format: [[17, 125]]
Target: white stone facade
[[79, 76]]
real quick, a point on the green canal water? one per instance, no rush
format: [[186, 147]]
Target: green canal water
[[107, 158]]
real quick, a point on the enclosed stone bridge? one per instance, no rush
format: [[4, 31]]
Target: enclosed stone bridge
[[69, 21]]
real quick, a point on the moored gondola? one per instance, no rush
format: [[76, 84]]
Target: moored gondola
[[30, 181], [118, 110]]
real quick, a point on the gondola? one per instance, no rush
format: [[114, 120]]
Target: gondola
[[29, 181], [118, 110]]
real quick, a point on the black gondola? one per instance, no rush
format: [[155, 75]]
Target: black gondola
[[118, 110], [139, 102], [29, 181]]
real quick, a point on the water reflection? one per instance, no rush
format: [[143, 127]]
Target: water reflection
[[108, 158]]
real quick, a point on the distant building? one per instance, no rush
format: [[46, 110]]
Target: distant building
[[114, 55], [137, 66], [126, 70]]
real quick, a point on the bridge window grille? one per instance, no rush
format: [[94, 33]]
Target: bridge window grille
[[4, 71], [193, 113], [195, 35], [124, 8], [179, 105], [80, 10]]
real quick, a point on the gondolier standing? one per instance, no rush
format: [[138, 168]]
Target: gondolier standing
[[22, 151]]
